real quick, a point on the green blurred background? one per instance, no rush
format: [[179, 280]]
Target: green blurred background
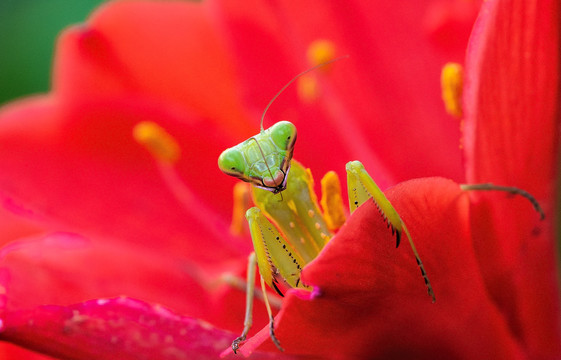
[[28, 31]]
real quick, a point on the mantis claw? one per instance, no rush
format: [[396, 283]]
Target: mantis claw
[[236, 343], [273, 337], [397, 238]]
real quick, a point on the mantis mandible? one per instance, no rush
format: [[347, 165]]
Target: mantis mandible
[[300, 230]]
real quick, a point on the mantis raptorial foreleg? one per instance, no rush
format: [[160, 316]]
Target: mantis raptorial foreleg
[[361, 188], [279, 262]]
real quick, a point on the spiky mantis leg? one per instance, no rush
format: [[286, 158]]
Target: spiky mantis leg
[[361, 188], [271, 318], [284, 248], [509, 189], [250, 294]]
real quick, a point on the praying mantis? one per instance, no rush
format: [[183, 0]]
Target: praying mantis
[[283, 192]]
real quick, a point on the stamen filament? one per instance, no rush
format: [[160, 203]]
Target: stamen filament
[[190, 202], [166, 151]]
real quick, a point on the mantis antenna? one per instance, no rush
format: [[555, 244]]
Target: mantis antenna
[[262, 131], [294, 79]]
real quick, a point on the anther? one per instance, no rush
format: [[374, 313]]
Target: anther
[[308, 89], [321, 51], [452, 82], [157, 141], [242, 197], [166, 151], [332, 201]]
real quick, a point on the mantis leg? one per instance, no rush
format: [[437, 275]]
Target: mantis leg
[[271, 318], [278, 261], [508, 189], [361, 188], [248, 320]]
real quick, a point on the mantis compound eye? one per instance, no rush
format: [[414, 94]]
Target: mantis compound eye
[[231, 162], [283, 134]]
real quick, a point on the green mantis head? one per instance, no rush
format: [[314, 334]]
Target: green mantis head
[[263, 159]]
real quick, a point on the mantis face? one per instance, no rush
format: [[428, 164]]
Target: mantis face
[[264, 159]]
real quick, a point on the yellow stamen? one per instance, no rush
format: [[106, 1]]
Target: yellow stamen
[[308, 89], [331, 201], [452, 82], [321, 51], [157, 141], [242, 198]]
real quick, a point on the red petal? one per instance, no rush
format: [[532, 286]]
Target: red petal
[[78, 163], [120, 328], [113, 328], [512, 126], [65, 268], [370, 300], [13, 226], [381, 105], [169, 51], [10, 351]]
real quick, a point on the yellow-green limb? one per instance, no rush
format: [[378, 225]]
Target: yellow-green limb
[[419, 263], [250, 295], [298, 217], [278, 261], [361, 188], [248, 320], [240, 284], [509, 189], [271, 318]]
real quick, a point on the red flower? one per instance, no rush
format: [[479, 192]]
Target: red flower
[[203, 72]]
